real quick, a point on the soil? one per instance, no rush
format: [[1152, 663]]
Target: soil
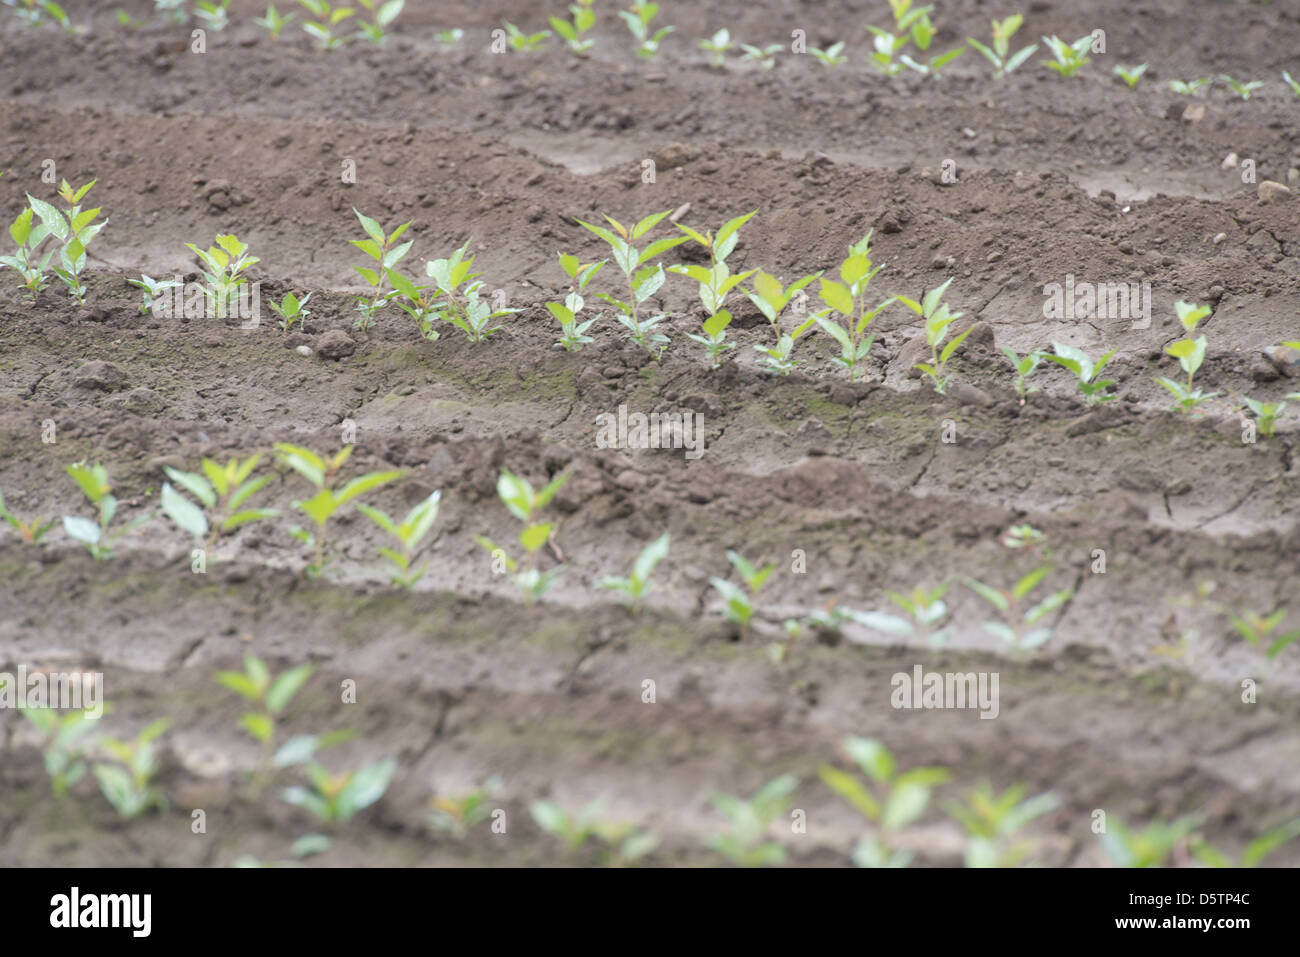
[[850, 488]]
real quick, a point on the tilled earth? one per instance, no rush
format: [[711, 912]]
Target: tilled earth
[[849, 487]]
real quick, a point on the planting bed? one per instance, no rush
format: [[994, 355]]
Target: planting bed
[[849, 487]]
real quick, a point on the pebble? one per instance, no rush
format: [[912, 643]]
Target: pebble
[[1272, 192]]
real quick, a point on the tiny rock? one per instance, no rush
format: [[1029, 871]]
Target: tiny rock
[[1219, 238], [99, 375], [303, 350], [1284, 359], [1272, 192], [335, 344], [1231, 161], [1194, 113]]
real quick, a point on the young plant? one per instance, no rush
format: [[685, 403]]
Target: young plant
[[925, 609], [1148, 848], [771, 298], [1266, 413], [1258, 631], [937, 318], [745, 843], [322, 506], [151, 289], [1024, 366], [273, 22], [457, 816], [212, 15], [1189, 88], [268, 697], [1085, 371], [25, 259], [1000, 56], [30, 532], [32, 12], [1190, 354], [222, 491], [779, 358], [1070, 57], [74, 228], [740, 601], [522, 42], [1254, 853], [572, 32], [409, 533], [573, 334], [327, 18], [887, 46], [382, 14], [1131, 76], [765, 57], [1295, 87], [637, 585], [462, 307], [336, 798], [223, 268], [923, 36], [716, 47], [524, 502], [1243, 90], [64, 753], [638, 21], [993, 823], [624, 843], [95, 535], [291, 311], [449, 38], [890, 800], [644, 278], [174, 10], [831, 56], [848, 299], [128, 783], [386, 252], [715, 282], [1017, 625]]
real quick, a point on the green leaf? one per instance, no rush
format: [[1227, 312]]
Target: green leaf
[[851, 789], [286, 686], [365, 483], [837, 296], [187, 516], [872, 757], [372, 228]]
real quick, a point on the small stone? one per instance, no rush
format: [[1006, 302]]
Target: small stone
[[335, 344], [1272, 192], [1231, 161], [1194, 113], [1285, 359], [99, 375], [967, 394], [1220, 238], [672, 156], [303, 350]]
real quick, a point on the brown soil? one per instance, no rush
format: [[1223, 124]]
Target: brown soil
[[460, 681]]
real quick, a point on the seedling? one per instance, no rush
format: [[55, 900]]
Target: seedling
[[151, 289], [223, 268], [637, 585], [1000, 56], [95, 535], [336, 798], [937, 318], [222, 491], [644, 278], [32, 12], [573, 334], [923, 36], [572, 32], [1258, 631], [462, 307], [25, 259], [831, 56], [771, 298], [848, 299], [716, 47], [1148, 848], [1070, 57], [269, 698], [1295, 87], [1017, 625], [1131, 75], [624, 843], [64, 753], [925, 609], [75, 229], [1254, 853], [291, 311], [1190, 353], [449, 38], [1189, 88], [409, 533], [273, 22], [524, 502], [322, 506], [745, 843], [890, 800], [1091, 386], [128, 784], [30, 532], [457, 816], [1024, 366], [173, 9], [1023, 536], [714, 339], [715, 282], [1266, 413], [779, 358], [327, 18], [993, 823], [522, 42], [765, 57], [212, 15], [638, 21], [1243, 90], [382, 14], [384, 249], [887, 46], [740, 601]]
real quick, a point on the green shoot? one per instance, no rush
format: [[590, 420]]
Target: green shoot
[[30, 532], [223, 269], [765, 57], [1189, 88], [887, 46], [1070, 57], [922, 36], [291, 311], [637, 585], [222, 491], [1148, 848], [174, 9], [386, 252], [572, 32], [522, 42], [1000, 56], [848, 298], [268, 697], [1243, 90], [1295, 87], [336, 798], [716, 47], [779, 358], [1131, 76], [457, 816], [993, 822], [739, 606], [327, 18], [1254, 853], [273, 22], [937, 318], [409, 533], [644, 278], [212, 15], [151, 289], [925, 609], [462, 307], [64, 754], [1085, 371], [94, 484], [1017, 625], [715, 282], [1190, 354], [1266, 413], [524, 502], [573, 334], [32, 12], [1024, 366], [24, 259], [745, 842], [75, 233], [449, 38], [128, 783], [624, 844], [890, 800], [771, 298], [831, 56], [382, 14], [638, 21], [1258, 631]]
